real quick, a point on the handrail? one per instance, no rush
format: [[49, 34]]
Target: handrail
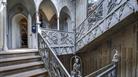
[[96, 24], [111, 13], [109, 71], [51, 61], [90, 14], [99, 70], [83, 27]]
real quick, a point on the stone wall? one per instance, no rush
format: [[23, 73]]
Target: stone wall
[[81, 11]]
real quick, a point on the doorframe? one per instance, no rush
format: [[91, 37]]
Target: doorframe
[[16, 28]]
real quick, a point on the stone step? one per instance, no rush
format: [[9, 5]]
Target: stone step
[[18, 58], [21, 62], [20, 66], [31, 73], [18, 51]]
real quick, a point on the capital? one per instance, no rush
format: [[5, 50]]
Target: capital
[[4, 2]]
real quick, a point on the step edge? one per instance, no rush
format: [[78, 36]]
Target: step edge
[[18, 58], [43, 70], [20, 66], [7, 53]]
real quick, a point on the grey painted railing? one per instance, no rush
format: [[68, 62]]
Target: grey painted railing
[[106, 71], [52, 63], [110, 72], [106, 15], [61, 42], [95, 73]]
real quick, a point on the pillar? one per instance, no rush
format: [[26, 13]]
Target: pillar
[[37, 21], [37, 4], [58, 23], [35, 36], [4, 2]]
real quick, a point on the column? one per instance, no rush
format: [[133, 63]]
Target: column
[[30, 33], [38, 29], [57, 22], [37, 21], [37, 4], [5, 48]]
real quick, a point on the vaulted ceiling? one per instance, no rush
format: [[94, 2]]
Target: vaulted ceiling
[[48, 8], [28, 4]]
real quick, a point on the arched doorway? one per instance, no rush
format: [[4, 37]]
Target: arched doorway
[[17, 12], [23, 32], [19, 31]]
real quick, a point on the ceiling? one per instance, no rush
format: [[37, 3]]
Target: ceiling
[[28, 4], [48, 8]]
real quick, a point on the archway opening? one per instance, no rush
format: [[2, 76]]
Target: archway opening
[[48, 15], [16, 10], [24, 33], [65, 19], [19, 31], [43, 19], [53, 22]]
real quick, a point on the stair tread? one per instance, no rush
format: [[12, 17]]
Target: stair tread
[[19, 66], [29, 73], [18, 58], [18, 51]]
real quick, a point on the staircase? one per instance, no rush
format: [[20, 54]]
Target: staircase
[[21, 63]]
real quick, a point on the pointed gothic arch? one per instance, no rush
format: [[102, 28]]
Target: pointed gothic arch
[[27, 10], [43, 19], [19, 31], [65, 19], [49, 11]]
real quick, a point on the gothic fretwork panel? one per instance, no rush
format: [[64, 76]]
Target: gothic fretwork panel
[[50, 59], [60, 42], [105, 15]]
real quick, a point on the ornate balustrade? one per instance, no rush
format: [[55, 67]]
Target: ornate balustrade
[[106, 14], [50, 59], [61, 42], [53, 42]]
